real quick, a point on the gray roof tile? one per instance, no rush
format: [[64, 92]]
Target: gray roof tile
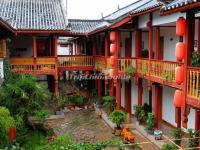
[[177, 3], [33, 14]]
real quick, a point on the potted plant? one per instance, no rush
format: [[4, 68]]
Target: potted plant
[[77, 100], [109, 103], [140, 114], [177, 134], [118, 117], [144, 70], [130, 70], [150, 123], [194, 139]]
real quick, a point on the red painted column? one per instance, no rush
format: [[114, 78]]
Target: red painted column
[[140, 89], [199, 36], [138, 49], [189, 40], [118, 94], [197, 120], [99, 87], [178, 117], [107, 43], [35, 53], [158, 104], [56, 65]]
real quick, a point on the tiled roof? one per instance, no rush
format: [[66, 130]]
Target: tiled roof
[[85, 26], [147, 6], [33, 14], [177, 3], [126, 10]]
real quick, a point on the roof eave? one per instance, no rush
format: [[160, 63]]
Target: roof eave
[[180, 9], [146, 11], [7, 26]]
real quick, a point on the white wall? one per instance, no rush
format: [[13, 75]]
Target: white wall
[[63, 50], [124, 35], [145, 92], [191, 119], [123, 93], [1, 69], [145, 40], [170, 40], [143, 21], [168, 109], [22, 42], [134, 95], [159, 20]]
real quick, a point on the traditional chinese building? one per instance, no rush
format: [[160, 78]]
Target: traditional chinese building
[[157, 38]]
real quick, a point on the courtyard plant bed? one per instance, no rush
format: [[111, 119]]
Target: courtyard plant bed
[[118, 117]]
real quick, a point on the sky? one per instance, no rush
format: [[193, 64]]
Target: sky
[[92, 9]]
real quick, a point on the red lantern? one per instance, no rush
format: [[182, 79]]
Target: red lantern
[[113, 61], [112, 73], [12, 134], [178, 98], [112, 36], [181, 26], [180, 51], [179, 75], [113, 48]]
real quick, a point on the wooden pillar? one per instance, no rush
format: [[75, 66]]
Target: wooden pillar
[[35, 53], [178, 117], [56, 65], [111, 88], [189, 40], [118, 94], [99, 87], [197, 120], [138, 41], [158, 104], [107, 45], [140, 89], [128, 97], [199, 36]]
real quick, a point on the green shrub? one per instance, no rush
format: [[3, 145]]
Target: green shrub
[[77, 99], [6, 122], [177, 134], [195, 141], [109, 102], [169, 147], [117, 117], [41, 115], [130, 70], [195, 59], [150, 121]]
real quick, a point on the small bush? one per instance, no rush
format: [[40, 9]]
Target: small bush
[[117, 117], [169, 147]]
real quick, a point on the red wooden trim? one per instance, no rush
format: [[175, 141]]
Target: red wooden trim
[[120, 23], [138, 43], [169, 124], [77, 68], [183, 8]]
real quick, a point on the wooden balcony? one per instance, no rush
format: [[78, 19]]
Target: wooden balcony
[[76, 62], [33, 66], [100, 63], [193, 87]]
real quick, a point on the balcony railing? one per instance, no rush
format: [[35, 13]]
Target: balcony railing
[[31, 66], [142, 66], [164, 70], [124, 63], [75, 61], [100, 62], [193, 83]]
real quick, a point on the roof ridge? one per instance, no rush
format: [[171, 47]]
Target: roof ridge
[[89, 20], [124, 7]]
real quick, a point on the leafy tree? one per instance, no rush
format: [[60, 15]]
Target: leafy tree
[[22, 95]]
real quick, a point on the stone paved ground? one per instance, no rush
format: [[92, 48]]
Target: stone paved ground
[[84, 126]]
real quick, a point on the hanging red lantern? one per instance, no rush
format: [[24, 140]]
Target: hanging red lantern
[[113, 73], [112, 36], [113, 61], [12, 134], [113, 48], [181, 26], [180, 51], [178, 98], [179, 74]]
